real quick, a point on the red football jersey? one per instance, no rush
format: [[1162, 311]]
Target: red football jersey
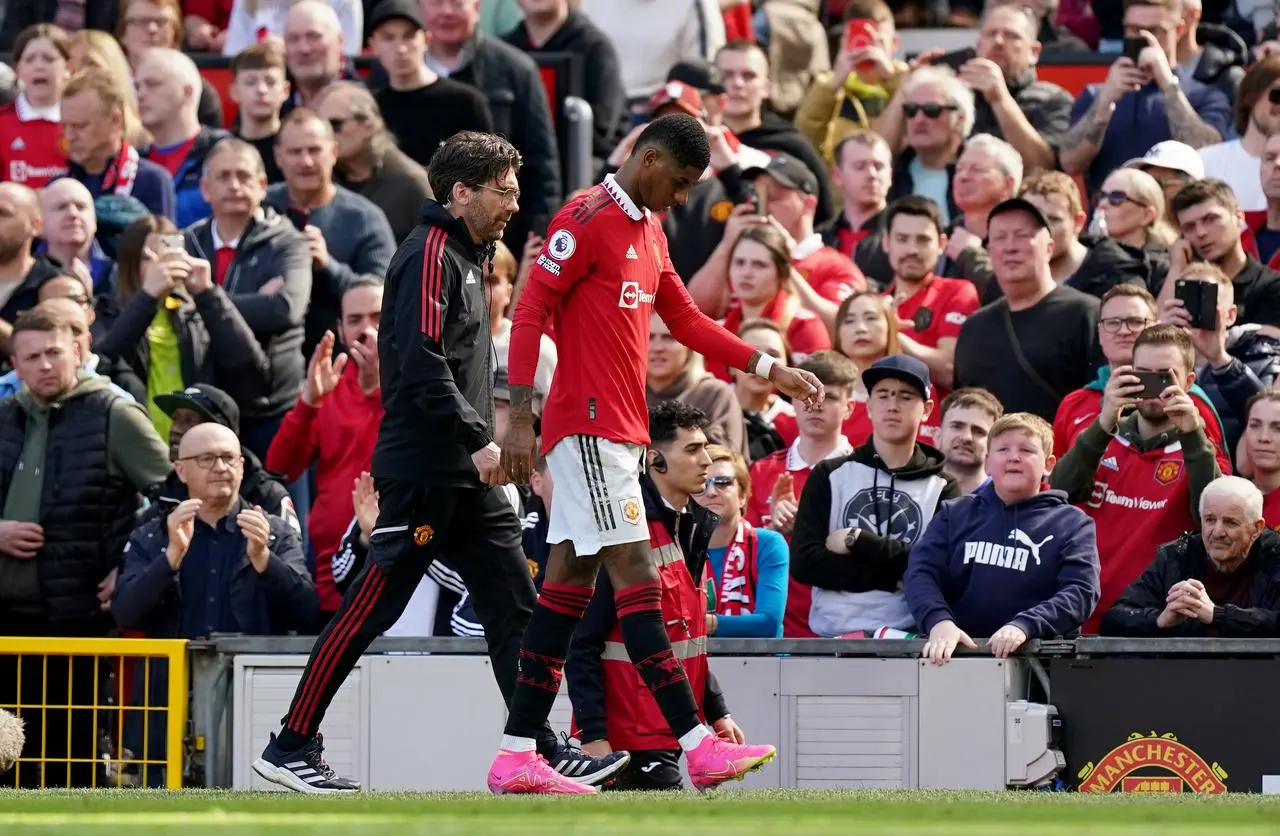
[[1078, 409], [937, 310], [764, 474], [831, 274], [1271, 509], [1139, 501], [602, 272], [33, 151], [805, 332]]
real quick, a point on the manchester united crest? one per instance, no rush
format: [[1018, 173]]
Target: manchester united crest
[[1168, 470], [423, 534], [630, 509]]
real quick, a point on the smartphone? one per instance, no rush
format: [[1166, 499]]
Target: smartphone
[[762, 198], [859, 34], [956, 58], [1201, 301], [299, 217], [1133, 48], [173, 242], [753, 198], [1153, 383]]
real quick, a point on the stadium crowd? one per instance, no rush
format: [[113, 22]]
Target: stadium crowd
[[1048, 325]]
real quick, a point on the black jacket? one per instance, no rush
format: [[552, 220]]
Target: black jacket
[[903, 184], [1110, 263], [239, 366], [270, 247], [1223, 58], [518, 101], [583, 664], [1255, 365], [601, 76], [695, 229], [868, 253], [1135, 613], [436, 355]]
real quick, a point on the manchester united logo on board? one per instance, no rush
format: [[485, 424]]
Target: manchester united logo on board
[[1153, 763], [1167, 470], [423, 534]]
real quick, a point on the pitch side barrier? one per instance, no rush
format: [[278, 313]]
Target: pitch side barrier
[[1101, 715]]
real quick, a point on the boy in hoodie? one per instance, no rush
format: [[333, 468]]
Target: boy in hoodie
[[1126, 310], [859, 514], [1012, 561]]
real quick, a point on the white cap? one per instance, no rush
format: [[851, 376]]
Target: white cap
[[1171, 154]]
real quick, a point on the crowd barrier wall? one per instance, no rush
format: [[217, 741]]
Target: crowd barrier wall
[[1136, 716]]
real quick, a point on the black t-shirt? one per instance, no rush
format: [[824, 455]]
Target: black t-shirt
[[267, 148], [422, 119], [1257, 294], [1057, 337]]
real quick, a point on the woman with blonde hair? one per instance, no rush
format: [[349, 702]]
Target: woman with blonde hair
[[749, 566], [760, 288], [1133, 205], [92, 49]]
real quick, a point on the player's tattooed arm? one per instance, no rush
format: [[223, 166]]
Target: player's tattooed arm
[[522, 403]]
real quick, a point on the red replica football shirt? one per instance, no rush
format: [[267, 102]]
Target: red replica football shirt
[[1271, 509], [33, 151], [602, 272], [1139, 501], [937, 311], [764, 475], [805, 332], [1078, 409], [831, 274]]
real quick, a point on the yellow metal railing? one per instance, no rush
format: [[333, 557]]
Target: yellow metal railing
[[80, 698]]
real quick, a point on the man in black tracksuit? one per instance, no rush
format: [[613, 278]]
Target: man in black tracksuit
[[435, 463]]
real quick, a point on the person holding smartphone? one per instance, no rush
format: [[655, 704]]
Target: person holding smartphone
[[1139, 468]]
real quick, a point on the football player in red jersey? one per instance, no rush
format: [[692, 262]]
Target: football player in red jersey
[[602, 273]]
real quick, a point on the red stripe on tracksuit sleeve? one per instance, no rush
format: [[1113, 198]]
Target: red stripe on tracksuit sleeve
[[432, 274]]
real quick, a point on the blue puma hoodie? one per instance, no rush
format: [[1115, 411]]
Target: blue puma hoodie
[[985, 564]]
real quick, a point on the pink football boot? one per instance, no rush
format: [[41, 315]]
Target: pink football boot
[[715, 761], [529, 772]]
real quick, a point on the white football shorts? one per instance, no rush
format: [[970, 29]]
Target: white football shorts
[[596, 499]]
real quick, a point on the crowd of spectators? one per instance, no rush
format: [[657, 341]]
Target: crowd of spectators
[[1047, 321]]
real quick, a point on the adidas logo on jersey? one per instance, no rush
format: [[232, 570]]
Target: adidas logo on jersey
[[1110, 463], [17, 144], [631, 253], [471, 277]]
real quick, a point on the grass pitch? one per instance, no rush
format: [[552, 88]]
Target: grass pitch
[[789, 812]]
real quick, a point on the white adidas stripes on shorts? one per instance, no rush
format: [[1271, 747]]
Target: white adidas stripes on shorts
[[596, 499]]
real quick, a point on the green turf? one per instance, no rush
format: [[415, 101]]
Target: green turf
[[789, 812]]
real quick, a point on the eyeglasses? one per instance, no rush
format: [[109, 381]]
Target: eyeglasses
[[1132, 324], [508, 195], [205, 461], [931, 110], [1117, 198], [337, 124], [720, 483]]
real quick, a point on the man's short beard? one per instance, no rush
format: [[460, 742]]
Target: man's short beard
[[10, 250]]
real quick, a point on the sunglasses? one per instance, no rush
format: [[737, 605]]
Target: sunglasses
[[1117, 198], [932, 111], [720, 483]]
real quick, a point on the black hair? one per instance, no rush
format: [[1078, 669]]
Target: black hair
[[472, 159], [917, 206], [669, 417], [680, 136]]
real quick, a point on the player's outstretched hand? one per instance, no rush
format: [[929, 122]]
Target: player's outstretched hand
[[799, 385], [488, 464]]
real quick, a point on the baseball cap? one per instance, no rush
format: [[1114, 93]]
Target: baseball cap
[[1171, 154], [1018, 204], [396, 10], [209, 402], [788, 171], [679, 94], [699, 74], [899, 367]]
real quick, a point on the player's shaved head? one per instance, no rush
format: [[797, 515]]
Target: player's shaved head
[[679, 136]]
